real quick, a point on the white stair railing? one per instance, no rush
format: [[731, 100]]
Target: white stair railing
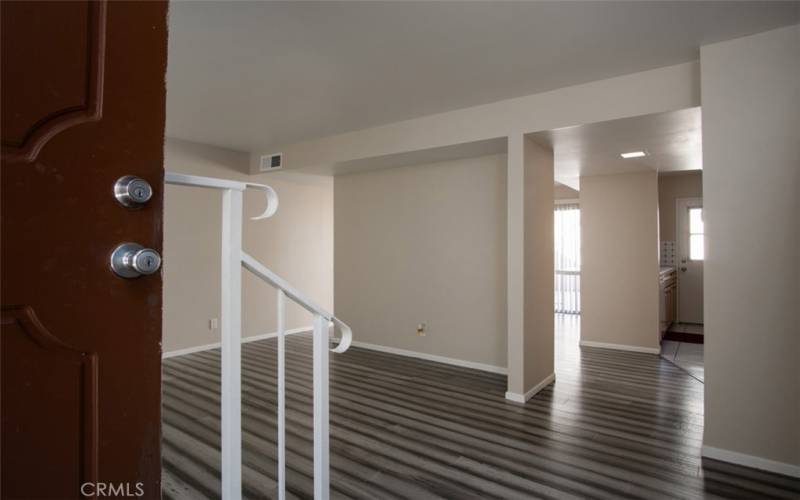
[[233, 260]]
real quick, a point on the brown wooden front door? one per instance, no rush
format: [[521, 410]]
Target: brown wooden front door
[[82, 105]]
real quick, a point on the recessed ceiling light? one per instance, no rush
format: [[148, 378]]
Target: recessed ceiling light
[[633, 154]]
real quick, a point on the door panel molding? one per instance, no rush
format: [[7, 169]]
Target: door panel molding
[[33, 362], [25, 145]]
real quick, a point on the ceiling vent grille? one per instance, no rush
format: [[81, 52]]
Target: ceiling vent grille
[[271, 162]]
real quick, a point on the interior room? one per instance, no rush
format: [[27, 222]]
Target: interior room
[[621, 170], [400, 250], [426, 245]]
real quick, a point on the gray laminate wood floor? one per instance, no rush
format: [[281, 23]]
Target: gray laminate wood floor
[[614, 425]]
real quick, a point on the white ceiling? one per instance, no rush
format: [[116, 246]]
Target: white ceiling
[[673, 142], [250, 76]]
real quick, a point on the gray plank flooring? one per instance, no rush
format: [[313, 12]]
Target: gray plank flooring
[[614, 425]]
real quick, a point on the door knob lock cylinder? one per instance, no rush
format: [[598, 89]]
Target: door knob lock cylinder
[[132, 192], [130, 260]]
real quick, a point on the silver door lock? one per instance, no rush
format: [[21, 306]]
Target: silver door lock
[[130, 260], [132, 192]]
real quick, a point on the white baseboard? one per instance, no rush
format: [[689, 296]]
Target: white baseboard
[[432, 357], [737, 458], [621, 347], [523, 398], [216, 345]]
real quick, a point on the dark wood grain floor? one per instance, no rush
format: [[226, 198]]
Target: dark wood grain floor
[[614, 425]]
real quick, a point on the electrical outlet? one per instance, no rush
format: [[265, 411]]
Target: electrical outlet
[[213, 324], [421, 330]]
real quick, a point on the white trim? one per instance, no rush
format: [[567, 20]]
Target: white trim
[[621, 347], [754, 462], [262, 336], [190, 350], [432, 357], [245, 340], [523, 398]]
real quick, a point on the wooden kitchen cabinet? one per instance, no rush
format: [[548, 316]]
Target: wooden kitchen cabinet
[[668, 281], [670, 304]]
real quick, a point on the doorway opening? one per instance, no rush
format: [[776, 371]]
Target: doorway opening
[[681, 279], [567, 237], [567, 266], [618, 247]]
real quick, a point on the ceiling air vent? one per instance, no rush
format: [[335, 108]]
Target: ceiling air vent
[[271, 162]]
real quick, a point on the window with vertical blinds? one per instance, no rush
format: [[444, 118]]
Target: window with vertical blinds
[[568, 258]]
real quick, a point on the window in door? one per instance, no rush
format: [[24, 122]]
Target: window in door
[[696, 234]]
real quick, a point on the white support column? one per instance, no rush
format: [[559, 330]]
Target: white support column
[[515, 261], [281, 395], [231, 333], [530, 268], [321, 408]]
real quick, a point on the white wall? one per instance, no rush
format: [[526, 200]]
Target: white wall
[[296, 243], [751, 183], [425, 244], [619, 260]]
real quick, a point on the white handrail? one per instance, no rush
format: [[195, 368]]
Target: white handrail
[[321, 346], [214, 183], [233, 260], [300, 298]]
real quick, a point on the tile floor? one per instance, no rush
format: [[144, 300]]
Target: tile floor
[[685, 355]]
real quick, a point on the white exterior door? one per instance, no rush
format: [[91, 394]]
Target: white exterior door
[[691, 254]]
